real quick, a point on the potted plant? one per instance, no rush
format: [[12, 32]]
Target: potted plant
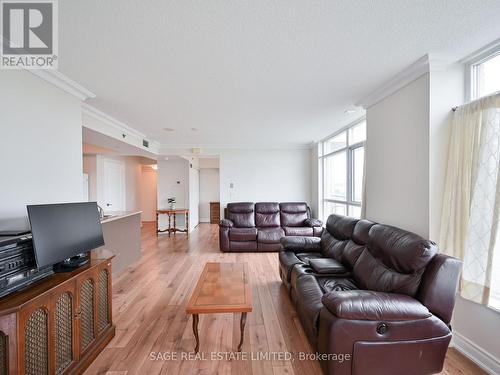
[[171, 202]]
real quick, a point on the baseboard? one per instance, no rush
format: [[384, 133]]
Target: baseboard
[[204, 220], [475, 353]]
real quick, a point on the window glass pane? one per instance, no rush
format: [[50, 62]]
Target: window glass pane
[[357, 133], [335, 143], [488, 77], [333, 208], [355, 211], [358, 160], [335, 176]]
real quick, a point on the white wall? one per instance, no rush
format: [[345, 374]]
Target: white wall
[[209, 191], [446, 92], [265, 175], [173, 181], [40, 146], [397, 156], [194, 197], [148, 194]]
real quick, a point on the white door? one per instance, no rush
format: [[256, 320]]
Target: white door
[[114, 185]]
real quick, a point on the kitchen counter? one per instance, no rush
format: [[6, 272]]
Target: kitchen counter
[[122, 238], [117, 215]]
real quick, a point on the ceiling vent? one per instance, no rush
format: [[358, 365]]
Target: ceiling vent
[[145, 143]]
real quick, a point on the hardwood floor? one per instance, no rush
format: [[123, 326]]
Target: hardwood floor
[[152, 326]]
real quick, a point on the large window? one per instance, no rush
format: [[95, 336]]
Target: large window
[[483, 79], [485, 75], [341, 163]]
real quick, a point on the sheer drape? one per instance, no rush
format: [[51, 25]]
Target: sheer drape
[[471, 204]]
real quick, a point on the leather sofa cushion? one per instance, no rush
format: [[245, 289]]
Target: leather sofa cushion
[[293, 214], [370, 305], [335, 284], [243, 234], [270, 235], [328, 266], [313, 222], [341, 227], [403, 251], [241, 214], [305, 257], [267, 214], [393, 260], [298, 231], [301, 244]]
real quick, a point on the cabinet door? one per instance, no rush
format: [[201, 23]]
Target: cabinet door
[[64, 310], [86, 310], [104, 296], [35, 326], [8, 344]]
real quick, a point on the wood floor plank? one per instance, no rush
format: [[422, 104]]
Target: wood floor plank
[[149, 299]]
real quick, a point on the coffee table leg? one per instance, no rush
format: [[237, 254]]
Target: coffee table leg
[[195, 331], [242, 328]]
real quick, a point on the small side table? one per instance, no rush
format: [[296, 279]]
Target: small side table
[[172, 213]]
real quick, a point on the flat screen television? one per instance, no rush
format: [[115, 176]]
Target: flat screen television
[[63, 232]]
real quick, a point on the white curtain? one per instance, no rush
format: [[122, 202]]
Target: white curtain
[[471, 204]]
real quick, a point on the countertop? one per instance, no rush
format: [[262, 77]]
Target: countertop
[[117, 215]]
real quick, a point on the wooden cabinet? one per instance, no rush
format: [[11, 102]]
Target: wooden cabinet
[[59, 325], [214, 212]]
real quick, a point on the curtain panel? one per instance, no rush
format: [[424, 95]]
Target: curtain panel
[[471, 204]]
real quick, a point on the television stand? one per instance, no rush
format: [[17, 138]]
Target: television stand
[[72, 263]]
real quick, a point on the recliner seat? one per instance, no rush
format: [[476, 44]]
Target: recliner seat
[[260, 226], [379, 293]]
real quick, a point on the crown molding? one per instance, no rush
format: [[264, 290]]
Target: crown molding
[[420, 67], [63, 82], [166, 148], [122, 127], [486, 51]]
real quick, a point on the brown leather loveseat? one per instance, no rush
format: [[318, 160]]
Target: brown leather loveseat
[[375, 294], [260, 226]]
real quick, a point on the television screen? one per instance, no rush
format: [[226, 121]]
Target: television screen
[[61, 231]]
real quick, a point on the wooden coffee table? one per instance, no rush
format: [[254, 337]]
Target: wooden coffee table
[[221, 288]]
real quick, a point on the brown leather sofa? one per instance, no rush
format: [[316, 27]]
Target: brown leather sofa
[[260, 226], [378, 294]]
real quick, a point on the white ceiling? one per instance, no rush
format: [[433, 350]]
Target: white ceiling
[[254, 73]]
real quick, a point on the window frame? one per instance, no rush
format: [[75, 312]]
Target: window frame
[[471, 71], [349, 149]]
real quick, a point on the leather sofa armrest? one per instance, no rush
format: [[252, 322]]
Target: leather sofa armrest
[[439, 285], [328, 266], [371, 305], [301, 244], [313, 223], [226, 223]]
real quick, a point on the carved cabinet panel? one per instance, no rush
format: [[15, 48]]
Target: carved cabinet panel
[[59, 327]]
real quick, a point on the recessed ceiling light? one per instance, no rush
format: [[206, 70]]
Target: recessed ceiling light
[[168, 129]]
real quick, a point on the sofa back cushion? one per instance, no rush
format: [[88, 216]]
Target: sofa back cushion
[[267, 214], [241, 214], [345, 238], [293, 214], [393, 260]]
